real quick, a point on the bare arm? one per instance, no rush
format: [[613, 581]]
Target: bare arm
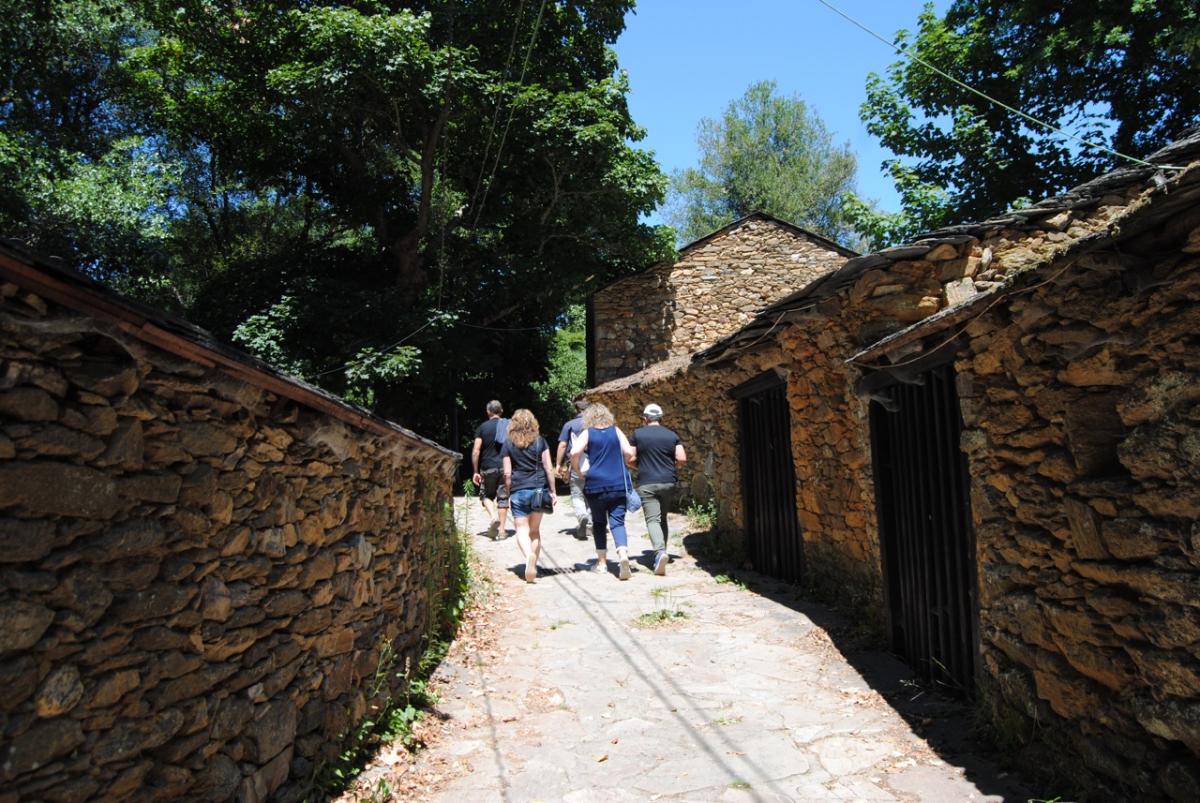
[[507, 473], [475, 450], [558, 461], [577, 451], [680, 455], [627, 450], [549, 472]]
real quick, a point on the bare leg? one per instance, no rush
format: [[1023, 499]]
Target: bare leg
[[493, 526], [535, 541], [528, 547]]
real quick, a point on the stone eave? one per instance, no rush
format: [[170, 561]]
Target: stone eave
[[664, 369], [65, 286], [803, 303], [1156, 205]]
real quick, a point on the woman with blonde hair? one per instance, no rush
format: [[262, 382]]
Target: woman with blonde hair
[[528, 475], [608, 451]]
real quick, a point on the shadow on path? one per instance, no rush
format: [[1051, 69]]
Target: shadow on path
[[629, 646], [947, 723]]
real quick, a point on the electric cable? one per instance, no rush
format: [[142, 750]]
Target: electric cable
[[904, 51]]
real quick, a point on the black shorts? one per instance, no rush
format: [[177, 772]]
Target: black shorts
[[492, 486]]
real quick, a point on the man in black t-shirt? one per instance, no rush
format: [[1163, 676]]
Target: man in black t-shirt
[[658, 452], [485, 461]]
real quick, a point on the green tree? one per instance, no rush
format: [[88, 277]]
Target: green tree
[[566, 375], [393, 199], [74, 180], [1121, 73], [766, 153]]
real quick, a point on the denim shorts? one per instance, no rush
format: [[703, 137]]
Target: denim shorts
[[520, 502]]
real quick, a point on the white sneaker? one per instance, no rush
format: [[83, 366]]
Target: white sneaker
[[530, 569], [601, 562], [623, 554]]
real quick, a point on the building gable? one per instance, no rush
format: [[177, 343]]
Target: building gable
[[716, 286]]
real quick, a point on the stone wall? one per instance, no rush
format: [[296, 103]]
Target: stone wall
[[1079, 386], [1082, 406], [202, 583], [715, 288], [835, 501]]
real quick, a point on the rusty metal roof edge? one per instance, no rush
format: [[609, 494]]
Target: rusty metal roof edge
[[82, 293]]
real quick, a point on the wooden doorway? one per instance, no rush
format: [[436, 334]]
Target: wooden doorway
[[768, 478], [926, 537]]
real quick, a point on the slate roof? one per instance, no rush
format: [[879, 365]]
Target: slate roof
[[52, 279], [1088, 195]]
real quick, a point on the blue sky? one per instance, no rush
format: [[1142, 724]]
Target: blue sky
[[687, 59]]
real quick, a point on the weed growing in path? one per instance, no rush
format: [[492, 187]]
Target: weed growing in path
[[702, 515], [740, 785], [723, 579], [661, 616], [667, 611], [721, 722], [561, 623]]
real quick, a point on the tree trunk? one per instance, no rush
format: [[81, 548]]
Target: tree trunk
[[410, 269]]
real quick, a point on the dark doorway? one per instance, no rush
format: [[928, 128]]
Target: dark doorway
[[768, 478], [926, 536]]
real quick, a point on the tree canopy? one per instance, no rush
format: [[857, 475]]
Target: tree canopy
[[396, 200], [1121, 73], [765, 153]]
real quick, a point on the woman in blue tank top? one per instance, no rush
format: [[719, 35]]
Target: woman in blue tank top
[[608, 451]]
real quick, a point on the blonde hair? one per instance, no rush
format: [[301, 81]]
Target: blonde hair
[[524, 428], [598, 416]]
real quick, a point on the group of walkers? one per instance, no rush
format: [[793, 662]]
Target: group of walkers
[[513, 472]]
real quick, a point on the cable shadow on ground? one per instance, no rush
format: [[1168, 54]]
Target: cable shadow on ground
[[947, 723], [674, 699]]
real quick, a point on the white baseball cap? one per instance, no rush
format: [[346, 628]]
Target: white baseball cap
[[652, 411]]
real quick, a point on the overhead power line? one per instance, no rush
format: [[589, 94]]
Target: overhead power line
[[1030, 118]]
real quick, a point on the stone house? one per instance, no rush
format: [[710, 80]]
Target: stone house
[[715, 287], [986, 440], [209, 571]]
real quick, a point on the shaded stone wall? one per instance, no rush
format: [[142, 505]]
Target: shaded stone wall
[[1082, 406], [199, 580], [715, 288]]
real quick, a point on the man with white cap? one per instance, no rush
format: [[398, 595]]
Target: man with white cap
[[658, 453]]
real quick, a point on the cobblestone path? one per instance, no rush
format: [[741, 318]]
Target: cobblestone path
[[688, 687]]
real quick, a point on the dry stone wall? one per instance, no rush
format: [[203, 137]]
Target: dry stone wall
[[201, 584], [715, 288], [1082, 407], [835, 502]]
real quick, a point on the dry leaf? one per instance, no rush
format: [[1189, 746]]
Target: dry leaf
[[602, 758]]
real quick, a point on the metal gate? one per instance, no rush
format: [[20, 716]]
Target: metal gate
[[768, 478], [926, 537]]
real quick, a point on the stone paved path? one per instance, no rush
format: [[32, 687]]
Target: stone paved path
[[739, 696]]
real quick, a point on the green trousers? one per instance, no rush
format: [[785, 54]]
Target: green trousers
[[657, 498]]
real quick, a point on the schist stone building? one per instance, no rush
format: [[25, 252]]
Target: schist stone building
[[717, 285], [987, 441]]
